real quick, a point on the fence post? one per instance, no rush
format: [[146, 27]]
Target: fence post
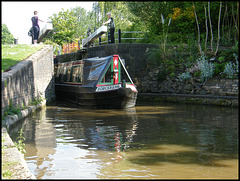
[[15, 41], [119, 36], [100, 39], [109, 40]]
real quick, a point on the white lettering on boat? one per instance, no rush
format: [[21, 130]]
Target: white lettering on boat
[[108, 87]]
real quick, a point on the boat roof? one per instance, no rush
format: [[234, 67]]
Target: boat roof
[[94, 70]]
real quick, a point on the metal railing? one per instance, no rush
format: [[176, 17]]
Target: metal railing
[[67, 48], [119, 37]]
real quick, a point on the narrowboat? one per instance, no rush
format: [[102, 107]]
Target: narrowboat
[[96, 82]]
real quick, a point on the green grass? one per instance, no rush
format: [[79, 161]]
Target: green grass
[[12, 54]]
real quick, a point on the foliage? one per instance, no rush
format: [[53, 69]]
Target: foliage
[[20, 142], [219, 68], [11, 110], [172, 75], [36, 101], [6, 174], [83, 21], [7, 37], [207, 69], [12, 54], [55, 46], [184, 76], [231, 69], [64, 24], [221, 59], [123, 18]]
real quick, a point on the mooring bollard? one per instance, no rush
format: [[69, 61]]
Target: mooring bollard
[[15, 41]]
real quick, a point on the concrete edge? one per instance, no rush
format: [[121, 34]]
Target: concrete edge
[[11, 120], [15, 154], [231, 101]]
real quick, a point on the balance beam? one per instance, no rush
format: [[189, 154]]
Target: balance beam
[[99, 32], [45, 30]]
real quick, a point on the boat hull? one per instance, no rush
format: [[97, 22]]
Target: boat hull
[[112, 99]]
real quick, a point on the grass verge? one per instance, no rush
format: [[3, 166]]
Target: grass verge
[[12, 54]]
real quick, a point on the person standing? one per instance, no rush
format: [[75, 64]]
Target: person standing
[[110, 23], [35, 26]]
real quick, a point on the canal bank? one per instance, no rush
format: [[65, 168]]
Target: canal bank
[[26, 87], [190, 99]]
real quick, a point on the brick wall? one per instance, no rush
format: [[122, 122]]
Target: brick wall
[[29, 79]]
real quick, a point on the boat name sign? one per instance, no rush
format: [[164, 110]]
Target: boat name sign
[[109, 87]]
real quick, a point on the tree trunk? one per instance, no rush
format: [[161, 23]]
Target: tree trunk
[[235, 23], [219, 20], [238, 20], [210, 24], [223, 38], [205, 11], [198, 42]]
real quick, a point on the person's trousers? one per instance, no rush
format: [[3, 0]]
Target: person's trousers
[[112, 35], [35, 32]]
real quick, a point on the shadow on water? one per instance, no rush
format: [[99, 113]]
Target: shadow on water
[[179, 134], [183, 157]]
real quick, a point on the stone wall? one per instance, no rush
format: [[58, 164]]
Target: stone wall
[[70, 57], [193, 86], [28, 79]]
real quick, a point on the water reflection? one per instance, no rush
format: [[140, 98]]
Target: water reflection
[[162, 141]]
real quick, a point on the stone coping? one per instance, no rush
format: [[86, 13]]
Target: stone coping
[[11, 120]]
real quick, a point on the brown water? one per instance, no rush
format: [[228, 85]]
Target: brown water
[[167, 141]]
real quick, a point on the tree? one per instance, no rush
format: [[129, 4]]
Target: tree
[[83, 21], [219, 20], [64, 24], [198, 42], [123, 18], [206, 24], [210, 24], [7, 37]]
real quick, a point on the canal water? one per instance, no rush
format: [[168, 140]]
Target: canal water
[[164, 141]]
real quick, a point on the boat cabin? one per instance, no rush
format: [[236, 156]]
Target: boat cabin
[[103, 73]]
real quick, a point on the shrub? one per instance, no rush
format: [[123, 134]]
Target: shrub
[[221, 59], [172, 75], [55, 46], [207, 69], [231, 69], [197, 74], [219, 68], [184, 76], [170, 69]]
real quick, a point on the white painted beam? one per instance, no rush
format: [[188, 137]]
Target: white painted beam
[[99, 32], [44, 31]]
